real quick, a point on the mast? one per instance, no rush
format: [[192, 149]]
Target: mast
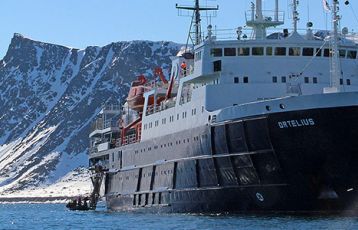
[[336, 72], [197, 19], [276, 10], [260, 20], [295, 15]]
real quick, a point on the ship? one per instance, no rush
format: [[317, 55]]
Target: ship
[[263, 121]]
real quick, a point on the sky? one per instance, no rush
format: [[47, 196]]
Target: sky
[[81, 23]]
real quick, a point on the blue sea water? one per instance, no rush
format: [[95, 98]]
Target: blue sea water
[[56, 216]]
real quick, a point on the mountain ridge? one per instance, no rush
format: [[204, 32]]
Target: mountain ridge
[[49, 94]]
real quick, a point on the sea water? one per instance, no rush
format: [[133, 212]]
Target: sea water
[[56, 216]]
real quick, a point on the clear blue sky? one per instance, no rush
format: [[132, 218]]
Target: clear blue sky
[[80, 23]]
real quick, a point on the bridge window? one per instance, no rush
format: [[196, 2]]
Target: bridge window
[[294, 51], [307, 51], [307, 80], [217, 52], [342, 53], [352, 54], [341, 81], [246, 80], [236, 80], [318, 52], [258, 51], [274, 79], [348, 81], [327, 53], [315, 81], [197, 56], [268, 51], [283, 79], [230, 51], [244, 51], [280, 51]]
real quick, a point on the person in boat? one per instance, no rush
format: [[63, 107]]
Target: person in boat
[[85, 202], [79, 201], [183, 68]]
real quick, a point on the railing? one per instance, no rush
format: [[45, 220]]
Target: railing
[[248, 33], [129, 139], [112, 108], [113, 144], [101, 124], [268, 16], [163, 106], [293, 89]]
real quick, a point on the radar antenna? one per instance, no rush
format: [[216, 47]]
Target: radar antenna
[[196, 15]]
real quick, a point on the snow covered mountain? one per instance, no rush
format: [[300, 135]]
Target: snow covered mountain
[[49, 94]]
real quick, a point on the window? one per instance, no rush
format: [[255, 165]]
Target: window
[[246, 80], [283, 79], [342, 53], [280, 51], [217, 52], [245, 51], [341, 81], [268, 51], [307, 51], [197, 56], [217, 65], [315, 81], [236, 80], [274, 79], [294, 51], [327, 53], [318, 52], [348, 81], [352, 54], [307, 80], [230, 51], [258, 51]]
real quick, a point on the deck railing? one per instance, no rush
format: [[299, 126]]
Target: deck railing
[[101, 124]]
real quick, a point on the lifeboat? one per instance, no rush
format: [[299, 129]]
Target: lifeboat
[[135, 97]]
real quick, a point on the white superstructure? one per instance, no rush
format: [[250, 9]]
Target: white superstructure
[[224, 73]]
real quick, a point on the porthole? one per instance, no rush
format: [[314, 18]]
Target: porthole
[[268, 108], [282, 106]]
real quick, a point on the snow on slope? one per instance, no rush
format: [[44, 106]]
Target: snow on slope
[[49, 94]]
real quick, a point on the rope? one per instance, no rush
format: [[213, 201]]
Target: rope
[[315, 55], [354, 13]]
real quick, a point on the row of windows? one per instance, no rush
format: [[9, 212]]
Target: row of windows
[[281, 51], [171, 118], [283, 79], [170, 144], [244, 80]]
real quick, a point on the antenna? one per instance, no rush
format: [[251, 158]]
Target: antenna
[[196, 15]]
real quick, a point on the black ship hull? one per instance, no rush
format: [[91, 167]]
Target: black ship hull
[[299, 161]]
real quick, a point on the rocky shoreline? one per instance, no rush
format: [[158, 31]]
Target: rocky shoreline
[[52, 199]]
